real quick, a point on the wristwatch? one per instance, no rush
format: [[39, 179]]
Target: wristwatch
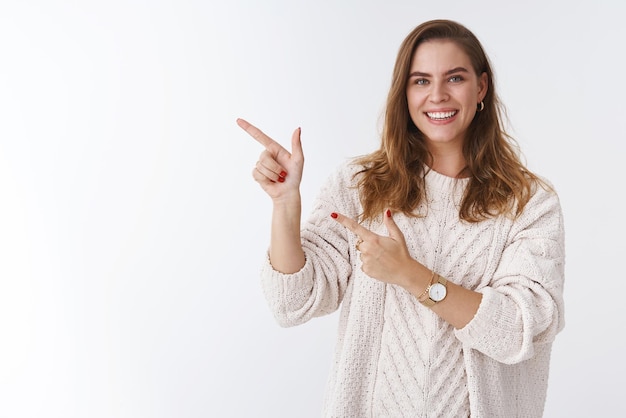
[[436, 292]]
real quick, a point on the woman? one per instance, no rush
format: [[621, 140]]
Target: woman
[[445, 253]]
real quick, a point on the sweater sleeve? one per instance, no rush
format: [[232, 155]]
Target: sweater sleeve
[[318, 288], [522, 305]]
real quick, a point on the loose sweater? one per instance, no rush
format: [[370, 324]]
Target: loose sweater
[[395, 357]]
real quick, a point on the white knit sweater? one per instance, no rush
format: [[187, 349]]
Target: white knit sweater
[[395, 357]]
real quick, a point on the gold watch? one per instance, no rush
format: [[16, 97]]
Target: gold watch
[[435, 292]]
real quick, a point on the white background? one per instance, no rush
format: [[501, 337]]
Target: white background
[[131, 231]]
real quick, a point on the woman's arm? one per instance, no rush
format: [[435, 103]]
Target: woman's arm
[[279, 173]]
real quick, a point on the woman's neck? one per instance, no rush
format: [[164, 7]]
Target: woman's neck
[[450, 163]]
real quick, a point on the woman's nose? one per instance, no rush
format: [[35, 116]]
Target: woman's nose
[[438, 93]]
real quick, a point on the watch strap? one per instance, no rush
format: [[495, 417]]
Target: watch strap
[[428, 301]]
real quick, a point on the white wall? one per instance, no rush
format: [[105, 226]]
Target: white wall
[[131, 231]]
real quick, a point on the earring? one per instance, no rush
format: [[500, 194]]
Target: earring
[[480, 106]]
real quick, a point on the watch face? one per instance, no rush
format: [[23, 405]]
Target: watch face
[[437, 292]]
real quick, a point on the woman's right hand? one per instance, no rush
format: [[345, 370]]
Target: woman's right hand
[[278, 171]]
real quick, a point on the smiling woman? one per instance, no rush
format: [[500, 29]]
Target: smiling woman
[[131, 231], [443, 97], [444, 253]]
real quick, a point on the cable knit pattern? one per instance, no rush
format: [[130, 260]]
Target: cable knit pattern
[[395, 357]]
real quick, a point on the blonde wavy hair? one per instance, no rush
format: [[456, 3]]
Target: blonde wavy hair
[[393, 176]]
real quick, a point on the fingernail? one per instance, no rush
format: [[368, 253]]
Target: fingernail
[[283, 173], [281, 179], [388, 213], [333, 215]]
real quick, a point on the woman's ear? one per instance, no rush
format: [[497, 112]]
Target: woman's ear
[[483, 85]]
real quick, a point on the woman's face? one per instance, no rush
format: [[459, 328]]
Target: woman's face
[[443, 92]]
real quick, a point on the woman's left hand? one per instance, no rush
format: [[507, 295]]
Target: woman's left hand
[[384, 258]]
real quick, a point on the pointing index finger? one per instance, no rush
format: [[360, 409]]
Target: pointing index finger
[[256, 133], [359, 230]]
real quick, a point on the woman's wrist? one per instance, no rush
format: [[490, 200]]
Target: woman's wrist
[[418, 279]]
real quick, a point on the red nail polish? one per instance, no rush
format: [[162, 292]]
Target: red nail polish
[[281, 179], [388, 213], [333, 215], [283, 173]]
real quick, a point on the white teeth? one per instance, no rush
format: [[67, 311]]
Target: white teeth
[[441, 115]]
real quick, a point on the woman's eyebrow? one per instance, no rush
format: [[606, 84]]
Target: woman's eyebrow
[[452, 71], [457, 70]]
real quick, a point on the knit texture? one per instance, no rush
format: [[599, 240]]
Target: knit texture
[[395, 357]]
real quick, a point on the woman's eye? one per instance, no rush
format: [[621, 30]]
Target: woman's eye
[[456, 79], [421, 81]]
